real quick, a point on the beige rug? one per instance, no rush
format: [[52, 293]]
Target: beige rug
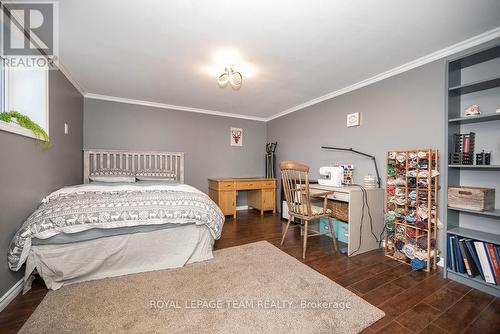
[[255, 288]]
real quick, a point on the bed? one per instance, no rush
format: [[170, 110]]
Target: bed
[[111, 228]]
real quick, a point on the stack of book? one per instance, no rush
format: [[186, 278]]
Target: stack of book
[[473, 258]]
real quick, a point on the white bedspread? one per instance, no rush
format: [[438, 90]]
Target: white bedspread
[[106, 206]]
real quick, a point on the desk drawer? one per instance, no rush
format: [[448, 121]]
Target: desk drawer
[[268, 184], [248, 185], [221, 185], [338, 196]]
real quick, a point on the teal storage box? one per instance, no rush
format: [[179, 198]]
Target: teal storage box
[[341, 229], [324, 227]]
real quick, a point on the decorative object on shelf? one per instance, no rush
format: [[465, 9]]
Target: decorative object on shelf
[[463, 149], [236, 137], [231, 77], [271, 159], [357, 152], [498, 111], [483, 158], [471, 198], [472, 110], [26, 122], [353, 119], [411, 208]]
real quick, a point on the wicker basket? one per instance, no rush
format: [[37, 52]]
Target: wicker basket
[[340, 210]]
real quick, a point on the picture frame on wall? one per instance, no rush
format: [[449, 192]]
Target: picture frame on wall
[[236, 137], [353, 119]]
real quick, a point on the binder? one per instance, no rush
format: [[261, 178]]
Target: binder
[[493, 260], [482, 254], [451, 253], [472, 251], [470, 267], [458, 256]]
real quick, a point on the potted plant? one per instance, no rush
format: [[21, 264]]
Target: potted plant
[[26, 122]]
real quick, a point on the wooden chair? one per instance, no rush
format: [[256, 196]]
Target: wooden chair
[[295, 179]]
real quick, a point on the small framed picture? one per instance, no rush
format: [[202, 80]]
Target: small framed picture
[[236, 137], [353, 119]]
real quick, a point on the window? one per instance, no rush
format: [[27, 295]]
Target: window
[[25, 90]]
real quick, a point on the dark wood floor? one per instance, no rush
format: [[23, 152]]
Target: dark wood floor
[[414, 302]]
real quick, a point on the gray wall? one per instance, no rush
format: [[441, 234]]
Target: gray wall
[[406, 111], [390, 110], [203, 138], [28, 172]]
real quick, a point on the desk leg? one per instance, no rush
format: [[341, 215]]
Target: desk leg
[[274, 201]]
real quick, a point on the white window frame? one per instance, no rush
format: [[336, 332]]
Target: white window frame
[[13, 127]]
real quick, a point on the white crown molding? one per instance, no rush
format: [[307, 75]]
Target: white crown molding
[[64, 70], [11, 294], [170, 106], [458, 47], [461, 46]]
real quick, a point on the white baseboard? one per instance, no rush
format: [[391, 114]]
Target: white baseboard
[[243, 207], [11, 294]]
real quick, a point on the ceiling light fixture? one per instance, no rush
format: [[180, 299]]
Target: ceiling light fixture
[[230, 76]]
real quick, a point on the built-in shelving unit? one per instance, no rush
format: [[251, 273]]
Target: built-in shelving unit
[[474, 79]]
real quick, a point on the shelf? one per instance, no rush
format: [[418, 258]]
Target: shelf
[[493, 213], [476, 235], [476, 86], [486, 167], [476, 58], [475, 119], [475, 282]]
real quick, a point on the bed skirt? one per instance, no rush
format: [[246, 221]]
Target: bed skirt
[[65, 264]]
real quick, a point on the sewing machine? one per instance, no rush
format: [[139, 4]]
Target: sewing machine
[[334, 176]]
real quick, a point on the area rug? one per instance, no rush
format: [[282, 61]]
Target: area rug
[[254, 288]]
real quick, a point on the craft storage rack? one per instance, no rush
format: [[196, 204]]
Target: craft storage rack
[[411, 179]]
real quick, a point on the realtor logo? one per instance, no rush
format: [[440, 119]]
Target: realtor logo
[[29, 33]]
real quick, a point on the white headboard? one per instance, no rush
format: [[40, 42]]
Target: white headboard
[[133, 161]]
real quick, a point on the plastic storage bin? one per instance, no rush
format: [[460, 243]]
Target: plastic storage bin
[[341, 229]]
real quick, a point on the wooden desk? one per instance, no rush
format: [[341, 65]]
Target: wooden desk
[[354, 196], [261, 193]]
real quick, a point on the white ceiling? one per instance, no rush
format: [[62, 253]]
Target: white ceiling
[[157, 51]]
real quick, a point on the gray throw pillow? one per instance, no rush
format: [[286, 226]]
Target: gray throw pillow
[[112, 175]]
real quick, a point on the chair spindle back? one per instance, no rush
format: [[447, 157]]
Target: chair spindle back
[[295, 179]]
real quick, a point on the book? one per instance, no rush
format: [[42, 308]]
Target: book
[[458, 256], [472, 251], [469, 263], [450, 253], [485, 262], [494, 261]]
